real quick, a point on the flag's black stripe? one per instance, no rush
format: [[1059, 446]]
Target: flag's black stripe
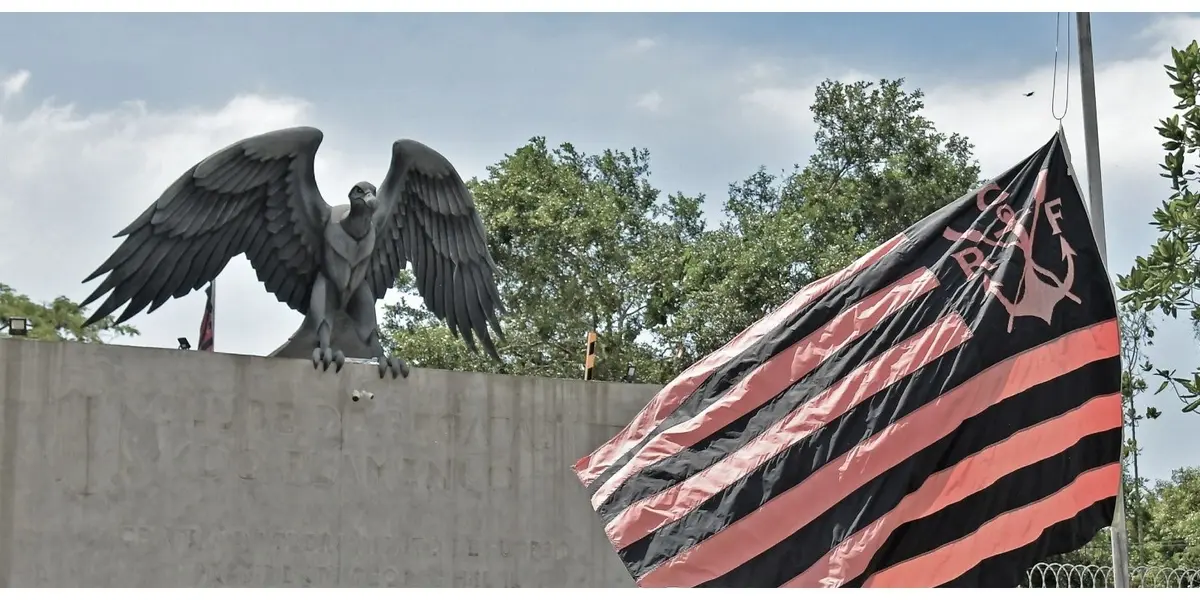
[[791, 330], [1015, 490], [860, 508], [1006, 570]]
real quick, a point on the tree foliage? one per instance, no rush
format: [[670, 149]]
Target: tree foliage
[[1167, 278], [59, 319], [878, 167], [585, 242]]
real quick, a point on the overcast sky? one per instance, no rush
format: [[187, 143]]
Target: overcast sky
[[99, 113]]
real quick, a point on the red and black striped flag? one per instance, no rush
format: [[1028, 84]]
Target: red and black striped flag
[[945, 411], [206, 322]]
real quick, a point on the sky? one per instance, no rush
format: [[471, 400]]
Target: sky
[[100, 112]]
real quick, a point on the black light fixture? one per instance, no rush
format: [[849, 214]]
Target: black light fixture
[[184, 344], [629, 373], [16, 326]]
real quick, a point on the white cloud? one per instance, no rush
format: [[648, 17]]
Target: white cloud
[[775, 106], [644, 44], [71, 180], [762, 70], [13, 84], [650, 101]]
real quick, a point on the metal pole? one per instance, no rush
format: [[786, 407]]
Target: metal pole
[[1087, 76], [1137, 477]]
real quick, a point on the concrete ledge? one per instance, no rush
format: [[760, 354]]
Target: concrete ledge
[[125, 466]]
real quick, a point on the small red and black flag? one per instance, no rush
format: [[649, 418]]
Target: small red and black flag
[[206, 322], [945, 411]]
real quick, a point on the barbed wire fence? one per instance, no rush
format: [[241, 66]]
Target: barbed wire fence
[[1059, 575]]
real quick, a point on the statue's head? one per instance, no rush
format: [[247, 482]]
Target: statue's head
[[361, 193]]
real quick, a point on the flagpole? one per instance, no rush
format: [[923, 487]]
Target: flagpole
[[1087, 76]]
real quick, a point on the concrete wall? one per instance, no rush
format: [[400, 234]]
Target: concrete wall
[[124, 466]]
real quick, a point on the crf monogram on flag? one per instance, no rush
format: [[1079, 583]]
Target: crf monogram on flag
[[945, 411]]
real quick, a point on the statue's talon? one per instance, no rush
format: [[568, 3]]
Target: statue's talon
[[399, 366], [339, 359], [390, 363], [323, 357]]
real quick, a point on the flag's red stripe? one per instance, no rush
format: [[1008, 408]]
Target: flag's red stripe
[[670, 397], [866, 380], [1002, 534], [769, 379], [970, 476], [785, 514]]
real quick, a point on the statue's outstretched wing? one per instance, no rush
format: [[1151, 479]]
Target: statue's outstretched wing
[[258, 196], [425, 215]]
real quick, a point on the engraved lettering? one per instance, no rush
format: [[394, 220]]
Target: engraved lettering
[[329, 420], [375, 472], [215, 461], [435, 479], [390, 577], [296, 467], [246, 464], [469, 433], [285, 418], [257, 415], [472, 474], [500, 477], [325, 469], [180, 539]]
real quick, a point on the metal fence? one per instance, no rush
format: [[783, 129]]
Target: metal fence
[[1058, 575]]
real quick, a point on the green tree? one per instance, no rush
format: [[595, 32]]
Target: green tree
[[1137, 336], [879, 167], [1166, 279], [59, 319], [583, 242], [1174, 508]]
